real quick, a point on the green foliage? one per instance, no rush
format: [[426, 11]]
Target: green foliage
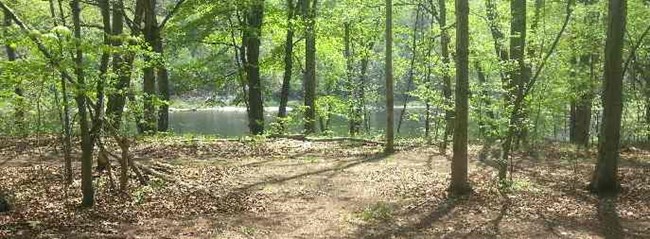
[[379, 211]]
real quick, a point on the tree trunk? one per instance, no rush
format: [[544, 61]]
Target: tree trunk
[[251, 38], [446, 79], [414, 51], [390, 134], [581, 107], [122, 64], [86, 139], [459, 183], [309, 12], [65, 115], [605, 179], [363, 79], [580, 120], [149, 75], [517, 81], [288, 62], [105, 10], [163, 84], [354, 117]]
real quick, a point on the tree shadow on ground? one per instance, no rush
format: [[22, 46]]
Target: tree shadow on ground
[[388, 229], [610, 223], [606, 222], [339, 167]]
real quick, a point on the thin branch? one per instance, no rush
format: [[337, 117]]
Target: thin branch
[[569, 12], [171, 14], [636, 47]]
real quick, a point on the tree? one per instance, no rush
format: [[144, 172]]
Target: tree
[[288, 61], [390, 116], [309, 16], [251, 39], [148, 124], [605, 180], [87, 144], [583, 70], [459, 183], [446, 79]]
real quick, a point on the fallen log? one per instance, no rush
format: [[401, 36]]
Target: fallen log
[[302, 137]]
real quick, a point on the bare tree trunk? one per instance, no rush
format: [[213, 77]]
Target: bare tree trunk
[[459, 183], [149, 75], [446, 79], [252, 41], [390, 134], [309, 12], [354, 117], [414, 49], [66, 132], [87, 190], [163, 85], [605, 180], [288, 62]]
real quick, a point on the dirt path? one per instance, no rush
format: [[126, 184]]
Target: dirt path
[[295, 189]]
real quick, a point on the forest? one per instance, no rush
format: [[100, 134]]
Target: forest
[[325, 119]]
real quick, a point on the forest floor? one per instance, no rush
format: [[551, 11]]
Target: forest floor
[[296, 189]]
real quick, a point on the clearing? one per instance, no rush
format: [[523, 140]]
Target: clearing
[[296, 189]]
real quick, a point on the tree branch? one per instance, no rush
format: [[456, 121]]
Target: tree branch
[[569, 12], [636, 47], [37, 41], [171, 14]]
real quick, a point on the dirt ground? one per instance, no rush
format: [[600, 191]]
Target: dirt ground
[[297, 189]]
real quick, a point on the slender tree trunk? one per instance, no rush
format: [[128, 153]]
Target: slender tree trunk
[[414, 51], [87, 190], [149, 74], [459, 183], [163, 86], [252, 37], [288, 62], [66, 131], [354, 117], [605, 180], [122, 63], [105, 10], [309, 12], [446, 79], [390, 134], [363, 79], [517, 81]]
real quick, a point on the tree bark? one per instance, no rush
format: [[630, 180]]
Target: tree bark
[[87, 190], [162, 78], [148, 125], [288, 62], [390, 134], [251, 38], [414, 51], [459, 183], [605, 180], [354, 116], [517, 81], [309, 13], [446, 79]]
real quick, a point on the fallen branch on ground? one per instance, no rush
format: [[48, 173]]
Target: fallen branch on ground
[[303, 137]]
